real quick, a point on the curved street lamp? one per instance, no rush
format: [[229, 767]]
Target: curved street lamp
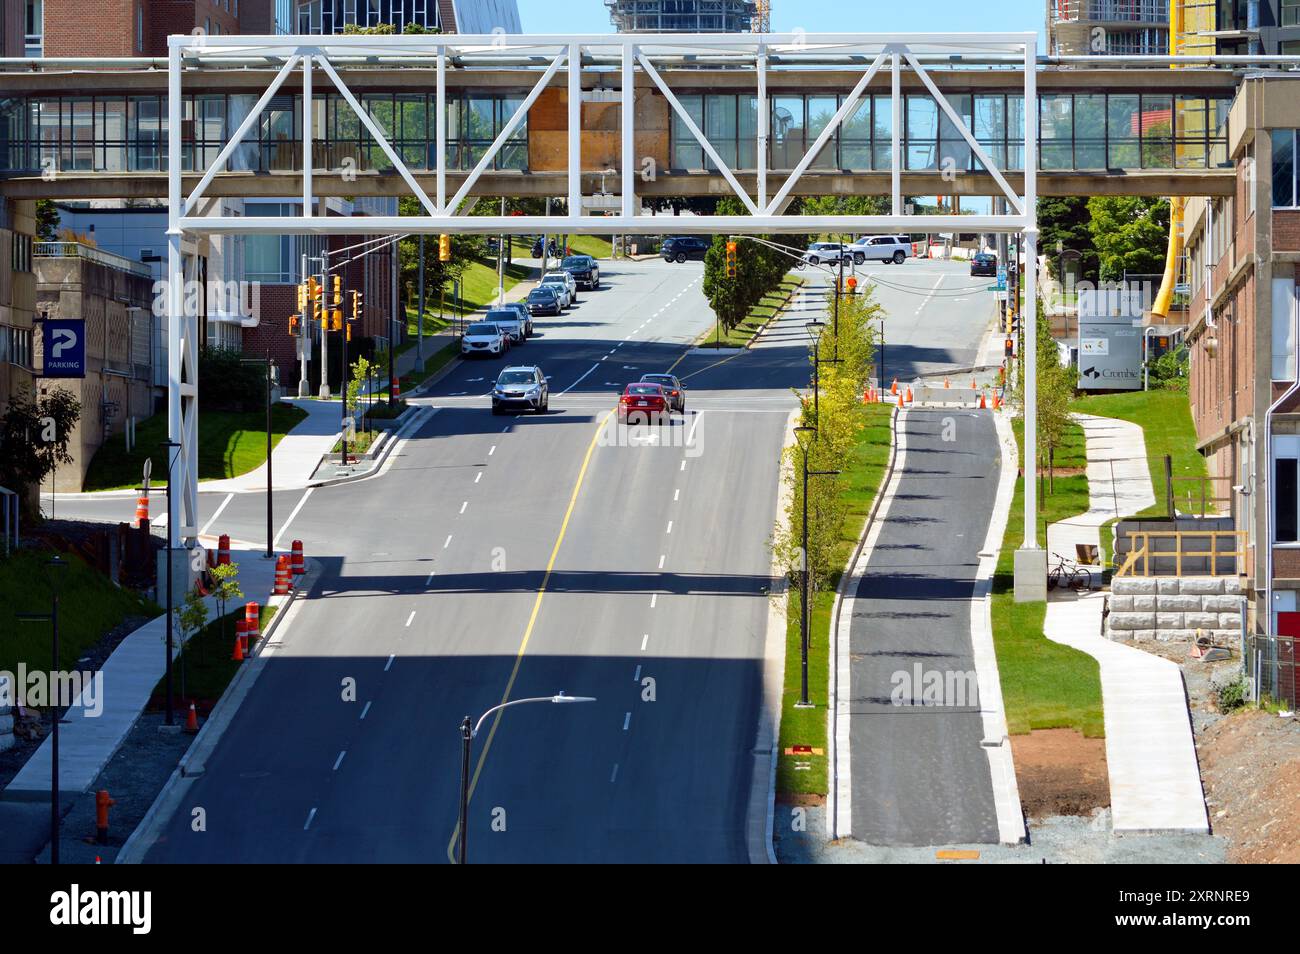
[[468, 730]]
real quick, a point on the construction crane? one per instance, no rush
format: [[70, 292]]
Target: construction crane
[[762, 22]]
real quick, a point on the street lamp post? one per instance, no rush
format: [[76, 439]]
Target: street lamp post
[[57, 564], [804, 435], [468, 731], [171, 602]]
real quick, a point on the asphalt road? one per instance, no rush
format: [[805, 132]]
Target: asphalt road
[[506, 557], [519, 556], [919, 776]]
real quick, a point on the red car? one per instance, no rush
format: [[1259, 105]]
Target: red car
[[643, 403]]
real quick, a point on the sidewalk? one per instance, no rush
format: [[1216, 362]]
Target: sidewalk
[[86, 743], [1155, 780], [1119, 483], [294, 459]]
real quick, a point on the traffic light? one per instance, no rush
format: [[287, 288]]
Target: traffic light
[[337, 299], [293, 321], [302, 298], [853, 285], [444, 248], [731, 259], [356, 305]]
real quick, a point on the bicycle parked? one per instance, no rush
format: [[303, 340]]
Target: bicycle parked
[[1069, 575]]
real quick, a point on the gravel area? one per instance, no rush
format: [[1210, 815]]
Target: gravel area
[[1058, 840], [133, 777]]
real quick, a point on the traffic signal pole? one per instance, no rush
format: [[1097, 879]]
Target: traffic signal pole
[[304, 387]]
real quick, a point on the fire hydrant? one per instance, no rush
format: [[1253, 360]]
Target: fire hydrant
[[102, 804]]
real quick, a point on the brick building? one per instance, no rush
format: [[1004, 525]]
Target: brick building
[[1243, 260]]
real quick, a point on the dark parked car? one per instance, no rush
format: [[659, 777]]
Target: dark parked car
[[673, 389], [543, 300], [584, 270], [984, 264], [683, 247]]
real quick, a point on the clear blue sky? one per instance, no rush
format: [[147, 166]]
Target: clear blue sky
[[821, 16]]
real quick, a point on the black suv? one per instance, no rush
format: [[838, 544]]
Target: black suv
[[682, 247], [984, 264], [583, 268]]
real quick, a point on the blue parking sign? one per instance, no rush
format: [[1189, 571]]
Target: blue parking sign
[[64, 347]]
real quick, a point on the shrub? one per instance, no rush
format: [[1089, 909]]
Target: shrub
[[1230, 692], [227, 384]]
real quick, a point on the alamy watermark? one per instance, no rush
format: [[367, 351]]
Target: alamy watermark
[[36, 688]]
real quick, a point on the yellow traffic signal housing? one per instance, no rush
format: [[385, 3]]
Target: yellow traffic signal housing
[[444, 248], [302, 297], [349, 330], [293, 325], [313, 288], [338, 291], [731, 259], [356, 305]]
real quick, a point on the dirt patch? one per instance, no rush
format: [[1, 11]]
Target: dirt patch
[[1060, 772], [1250, 766], [804, 801]]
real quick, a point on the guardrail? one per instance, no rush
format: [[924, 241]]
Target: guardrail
[[1202, 491], [1185, 560], [90, 254]]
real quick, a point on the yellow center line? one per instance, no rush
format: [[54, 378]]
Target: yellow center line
[[532, 621]]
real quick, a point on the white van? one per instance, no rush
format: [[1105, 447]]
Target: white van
[[882, 248]]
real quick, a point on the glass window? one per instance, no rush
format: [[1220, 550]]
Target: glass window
[[1056, 131], [1122, 130], [1157, 132], [1090, 131], [787, 132], [922, 126], [882, 131], [747, 126], [1284, 168], [687, 153], [720, 127], [821, 110], [1290, 13], [1286, 526]]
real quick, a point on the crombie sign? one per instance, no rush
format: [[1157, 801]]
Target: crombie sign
[[64, 344], [1110, 355]]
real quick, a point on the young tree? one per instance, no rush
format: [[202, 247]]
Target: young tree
[[34, 436], [191, 617], [225, 579]]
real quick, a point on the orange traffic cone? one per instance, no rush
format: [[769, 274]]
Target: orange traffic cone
[[973, 385], [997, 402], [192, 721], [983, 406], [900, 400], [909, 394], [946, 384], [893, 388], [238, 654]]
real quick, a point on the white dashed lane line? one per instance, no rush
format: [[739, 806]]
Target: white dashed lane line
[[409, 619], [463, 505], [627, 720], [614, 774], [446, 543], [365, 710], [339, 760], [312, 814], [389, 665], [644, 641]]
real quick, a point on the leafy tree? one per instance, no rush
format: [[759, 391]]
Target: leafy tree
[[34, 436], [47, 220], [1169, 371], [228, 384], [1056, 386], [1066, 219], [191, 618], [225, 586], [1130, 233]]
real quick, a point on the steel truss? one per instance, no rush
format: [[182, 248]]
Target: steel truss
[[880, 56]]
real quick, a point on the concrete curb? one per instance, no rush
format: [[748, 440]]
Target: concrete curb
[[395, 437], [762, 802], [191, 765], [996, 742], [849, 581]]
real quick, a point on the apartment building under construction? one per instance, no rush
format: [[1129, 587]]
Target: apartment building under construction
[[682, 16]]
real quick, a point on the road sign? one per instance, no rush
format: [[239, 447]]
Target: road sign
[[64, 344]]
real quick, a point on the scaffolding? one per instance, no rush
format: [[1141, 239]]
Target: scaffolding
[[683, 16]]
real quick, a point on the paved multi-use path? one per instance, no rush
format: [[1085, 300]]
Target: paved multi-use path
[[1155, 780]]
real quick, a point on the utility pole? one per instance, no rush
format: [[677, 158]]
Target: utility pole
[[392, 328], [324, 391], [304, 338], [501, 260], [419, 321]]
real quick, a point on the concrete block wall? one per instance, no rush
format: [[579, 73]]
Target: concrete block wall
[[1174, 608]]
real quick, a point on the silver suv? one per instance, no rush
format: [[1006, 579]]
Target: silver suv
[[524, 388]]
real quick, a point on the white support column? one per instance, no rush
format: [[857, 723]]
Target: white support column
[[306, 137], [763, 117], [175, 288], [1030, 559], [628, 152], [441, 119], [896, 142], [575, 129]]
